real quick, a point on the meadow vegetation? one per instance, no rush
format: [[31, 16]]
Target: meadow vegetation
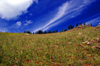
[[76, 47]]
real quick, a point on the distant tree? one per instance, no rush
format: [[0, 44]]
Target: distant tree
[[56, 30], [27, 32], [72, 26], [39, 32], [62, 30], [69, 27], [91, 24], [33, 32], [65, 29], [45, 32], [84, 23], [49, 31], [76, 24], [80, 23]]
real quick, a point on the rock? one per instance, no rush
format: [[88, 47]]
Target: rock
[[52, 57], [56, 45], [93, 47], [93, 41], [88, 25], [99, 24], [52, 62], [80, 33], [89, 43], [80, 27], [97, 46], [98, 40], [69, 43], [82, 45], [27, 34], [84, 42], [97, 27]]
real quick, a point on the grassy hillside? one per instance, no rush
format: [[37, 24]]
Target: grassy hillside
[[77, 47]]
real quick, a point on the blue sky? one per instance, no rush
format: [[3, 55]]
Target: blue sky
[[34, 15]]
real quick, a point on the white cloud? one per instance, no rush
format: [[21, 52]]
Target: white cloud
[[20, 24], [10, 9], [28, 22], [17, 25]]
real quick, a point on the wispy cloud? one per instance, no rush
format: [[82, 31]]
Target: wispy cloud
[[36, 1], [94, 21], [31, 14], [19, 25], [3, 26], [68, 10], [61, 12], [3, 30], [16, 25], [27, 22]]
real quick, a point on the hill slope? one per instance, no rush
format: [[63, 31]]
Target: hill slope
[[73, 48]]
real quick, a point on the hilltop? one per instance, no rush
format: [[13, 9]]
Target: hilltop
[[75, 47]]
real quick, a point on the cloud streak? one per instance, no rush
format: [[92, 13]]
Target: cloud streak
[[94, 21], [68, 10], [61, 12]]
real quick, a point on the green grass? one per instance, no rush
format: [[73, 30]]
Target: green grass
[[58, 49]]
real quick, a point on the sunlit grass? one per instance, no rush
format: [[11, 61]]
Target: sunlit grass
[[58, 49]]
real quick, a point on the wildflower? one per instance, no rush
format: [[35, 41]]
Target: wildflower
[[80, 60], [97, 49]]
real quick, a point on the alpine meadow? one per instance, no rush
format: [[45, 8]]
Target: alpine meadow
[[75, 47]]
